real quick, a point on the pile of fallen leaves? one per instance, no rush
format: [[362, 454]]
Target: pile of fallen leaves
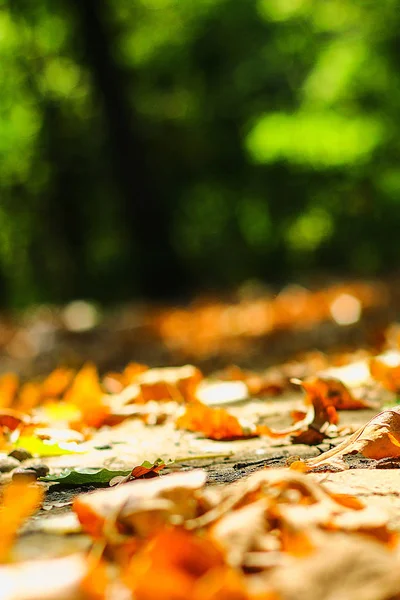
[[266, 537]]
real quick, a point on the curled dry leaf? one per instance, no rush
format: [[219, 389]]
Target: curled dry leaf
[[284, 500], [147, 470], [213, 423], [331, 392], [310, 427], [379, 438], [142, 506]]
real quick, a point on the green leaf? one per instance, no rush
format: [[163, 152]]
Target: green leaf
[[38, 447], [88, 476]]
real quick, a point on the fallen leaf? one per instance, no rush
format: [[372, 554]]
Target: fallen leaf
[[38, 447], [86, 393], [331, 392], [143, 505], [88, 476], [341, 567], [213, 423], [146, 470], [386, 370], [178, 383], [20, 500], [57, 382], [9, 384], [189, 557], [29, 396], [312, 428], [379, 438], [12, 419]]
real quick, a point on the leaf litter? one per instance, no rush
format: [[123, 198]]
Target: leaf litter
[[263, 537]]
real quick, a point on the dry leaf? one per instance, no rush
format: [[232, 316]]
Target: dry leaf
[[57, 382], [9, 385], [142, 505], [332, 392], [177, 383], [19, 501], [86, 393], [379, 438], [312, 428], [213, 423], [189, 557], [342, 568]]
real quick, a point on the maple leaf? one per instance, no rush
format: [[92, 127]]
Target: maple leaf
[[20, 500], [213, 423]]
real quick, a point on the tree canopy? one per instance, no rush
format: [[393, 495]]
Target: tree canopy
[[156, 146]]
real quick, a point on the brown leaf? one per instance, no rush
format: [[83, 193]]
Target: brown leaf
[[331, 392], [312, 429], [379, 438]]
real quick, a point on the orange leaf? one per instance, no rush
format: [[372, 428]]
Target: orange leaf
[[86, 393], [386, 373], [9, 384], [214, 423], [29, 396], [177, 383], [188, 558], [57, 382], [331, 392], [20, 500]]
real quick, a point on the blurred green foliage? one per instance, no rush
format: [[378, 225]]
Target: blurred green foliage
[[154, 146]]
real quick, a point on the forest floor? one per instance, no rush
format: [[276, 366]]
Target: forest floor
[[297, 335]]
